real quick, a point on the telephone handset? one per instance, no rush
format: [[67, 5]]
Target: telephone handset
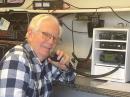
[[55, 59]]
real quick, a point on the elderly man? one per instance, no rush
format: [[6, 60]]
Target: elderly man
[[26, 70]]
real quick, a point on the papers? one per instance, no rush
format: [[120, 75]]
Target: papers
[[4, 24]]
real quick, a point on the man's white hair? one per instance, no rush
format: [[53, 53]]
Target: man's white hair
[[36, 21]]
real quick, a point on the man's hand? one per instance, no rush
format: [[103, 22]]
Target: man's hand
[[62, 60]]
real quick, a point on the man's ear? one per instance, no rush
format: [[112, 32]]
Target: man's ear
[[29, 31], [29, 34]]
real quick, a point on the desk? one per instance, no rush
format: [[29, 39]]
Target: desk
[[86, 87]]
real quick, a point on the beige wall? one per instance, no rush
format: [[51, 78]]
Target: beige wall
[[82, 42], [98, 3], [90, 3]]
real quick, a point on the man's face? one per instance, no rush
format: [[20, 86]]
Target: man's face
[[45, 39]]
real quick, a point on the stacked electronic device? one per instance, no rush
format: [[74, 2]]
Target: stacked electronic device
[[110, 50]]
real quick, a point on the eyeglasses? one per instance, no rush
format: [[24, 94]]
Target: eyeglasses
[[48, 36]]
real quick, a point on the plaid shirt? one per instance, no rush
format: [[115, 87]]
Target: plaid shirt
[[23, 75]]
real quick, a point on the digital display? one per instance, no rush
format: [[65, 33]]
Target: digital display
[[110, 57], [46, 4], [38, 4]]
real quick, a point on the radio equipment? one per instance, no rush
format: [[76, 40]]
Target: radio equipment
[[112, 57], [111, 51], [113, 45], [48, 4], [17, 27], [113, 35]]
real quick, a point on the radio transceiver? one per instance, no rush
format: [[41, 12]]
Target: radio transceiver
[[113, 45], [112, 57], [113, 36], [48, 4]]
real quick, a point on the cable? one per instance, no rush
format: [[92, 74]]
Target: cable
[[115, 13], [77, 7], [71, 29], [89, 54], [63, 15], [89, 75], [73, 38], [73, 53], [28, 18], [90, 51], [93, 76], [100, 8], [84, 74], [29, 5]]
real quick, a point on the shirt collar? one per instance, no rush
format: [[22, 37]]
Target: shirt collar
[[33, 57]]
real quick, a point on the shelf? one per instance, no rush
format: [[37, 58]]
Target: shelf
[[127, 9], [105, 59], [10, 42], [109, 65], [110, 50], [101, 40]]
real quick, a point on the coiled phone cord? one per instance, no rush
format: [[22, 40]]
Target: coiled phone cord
[[54, 58]]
